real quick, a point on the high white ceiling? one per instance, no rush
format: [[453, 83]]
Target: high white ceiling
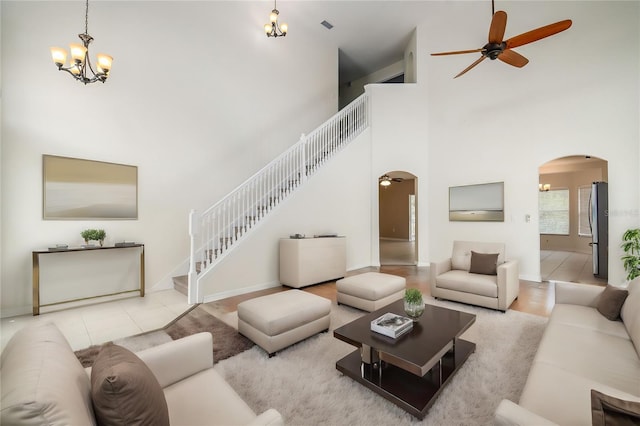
[[370, 35]]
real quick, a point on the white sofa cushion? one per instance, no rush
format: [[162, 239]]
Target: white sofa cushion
[[484, 285], [597, 356], [42, 380], [206, 399], [563, 397], [630, 313], [587, 317]]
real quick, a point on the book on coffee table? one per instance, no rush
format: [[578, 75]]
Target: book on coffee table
[[391, 325]]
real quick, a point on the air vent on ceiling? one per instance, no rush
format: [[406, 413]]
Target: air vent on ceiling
[[326, 24]]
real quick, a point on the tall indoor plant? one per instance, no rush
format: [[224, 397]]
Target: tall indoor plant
[[631, 246]]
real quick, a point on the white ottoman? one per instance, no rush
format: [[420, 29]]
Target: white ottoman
[[370, 291], [279, 320]]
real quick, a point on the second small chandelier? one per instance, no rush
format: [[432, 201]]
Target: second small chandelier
[[273, 29]]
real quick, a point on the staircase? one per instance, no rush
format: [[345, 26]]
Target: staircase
[[218, 230]]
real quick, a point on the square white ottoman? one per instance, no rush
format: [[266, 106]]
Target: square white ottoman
[[278, 320], [370, 291]]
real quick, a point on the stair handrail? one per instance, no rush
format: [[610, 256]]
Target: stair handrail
[[324, 144]]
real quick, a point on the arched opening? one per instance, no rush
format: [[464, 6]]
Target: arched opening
[[397, 218], [572, 204]]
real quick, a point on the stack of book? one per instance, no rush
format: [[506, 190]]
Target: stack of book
[[392, 325]]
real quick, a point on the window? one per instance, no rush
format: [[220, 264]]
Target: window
[[553, 208], [584, 199]]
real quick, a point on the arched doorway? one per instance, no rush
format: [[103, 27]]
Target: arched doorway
[[397, 218], [573, 236]]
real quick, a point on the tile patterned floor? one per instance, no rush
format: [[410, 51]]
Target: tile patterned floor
[[567, 266], [98, 323]]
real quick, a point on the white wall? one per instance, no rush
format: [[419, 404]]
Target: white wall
[[196, 135], [578, 94], [199, 99], [336, 199], [410, 54], [399, 142]]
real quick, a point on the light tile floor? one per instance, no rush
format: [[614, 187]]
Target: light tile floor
[[567, 266], [101, 322]]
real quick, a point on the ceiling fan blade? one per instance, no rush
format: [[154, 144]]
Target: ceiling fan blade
[[498, 25], [457, 52], [513, 58], [538, 33], [482, 58]]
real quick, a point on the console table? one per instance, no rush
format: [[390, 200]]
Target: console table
[[36, 254], [307, 261]]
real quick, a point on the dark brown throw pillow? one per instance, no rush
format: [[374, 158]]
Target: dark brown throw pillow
[[611, 301], [484, 263], [609, 411], [124, 391]]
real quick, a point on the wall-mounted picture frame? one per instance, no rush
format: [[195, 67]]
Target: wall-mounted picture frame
[[477, 203], [79, 189]]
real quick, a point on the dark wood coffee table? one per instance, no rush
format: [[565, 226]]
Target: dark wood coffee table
[[411, 370]]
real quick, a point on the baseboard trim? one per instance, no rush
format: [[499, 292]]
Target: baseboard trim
[[239, 291], [534, 278]]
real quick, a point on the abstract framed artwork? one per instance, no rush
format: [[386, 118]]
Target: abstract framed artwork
[[477, 203], [78, 189]]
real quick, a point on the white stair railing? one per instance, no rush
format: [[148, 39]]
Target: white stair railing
[[218, 230]]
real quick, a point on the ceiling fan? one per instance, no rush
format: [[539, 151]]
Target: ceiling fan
[[385, 180], [497, 48]]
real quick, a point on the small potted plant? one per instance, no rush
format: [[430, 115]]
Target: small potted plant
[[413, 303], [631, 246], [93, 235], [100, 236]]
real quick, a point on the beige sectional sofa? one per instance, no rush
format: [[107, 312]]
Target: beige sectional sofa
[[580, 351], [44, 383]]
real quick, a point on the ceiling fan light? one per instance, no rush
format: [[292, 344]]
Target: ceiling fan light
[[385, 182]]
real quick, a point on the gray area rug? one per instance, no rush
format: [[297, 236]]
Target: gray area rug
[[226, 340], [302, 383]]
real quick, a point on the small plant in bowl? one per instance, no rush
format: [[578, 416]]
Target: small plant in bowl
[[413, 303]]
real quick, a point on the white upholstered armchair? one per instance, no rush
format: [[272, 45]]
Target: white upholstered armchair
[[478, 274]]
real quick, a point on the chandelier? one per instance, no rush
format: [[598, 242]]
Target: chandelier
[[80, 66], [272, 29]]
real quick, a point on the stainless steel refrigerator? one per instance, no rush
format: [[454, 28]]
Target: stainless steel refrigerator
[[599, 224]]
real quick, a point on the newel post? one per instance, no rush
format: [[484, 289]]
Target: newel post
[[303, 165], [193, 273]]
